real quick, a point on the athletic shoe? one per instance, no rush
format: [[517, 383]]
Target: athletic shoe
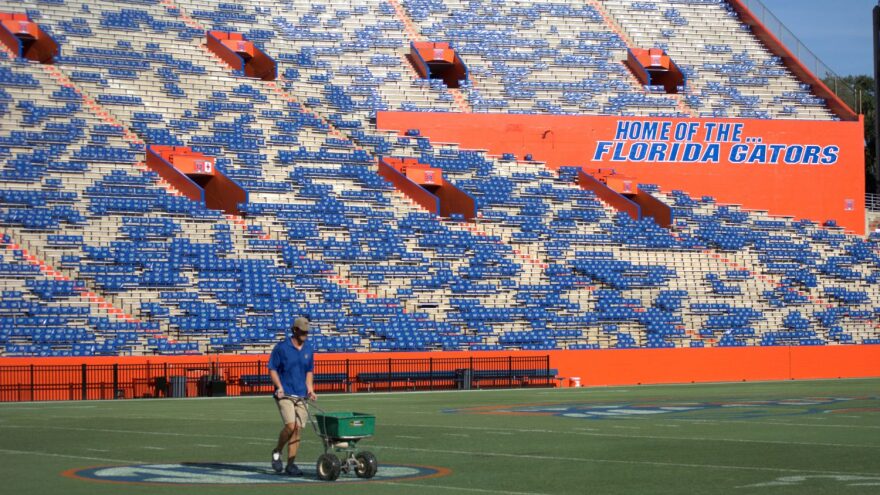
[[293, 470], [277, 465]]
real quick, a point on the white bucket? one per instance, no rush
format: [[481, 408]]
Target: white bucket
[[575, 381]]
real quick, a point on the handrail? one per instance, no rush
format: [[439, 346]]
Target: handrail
[[808, 59], [872, 202]]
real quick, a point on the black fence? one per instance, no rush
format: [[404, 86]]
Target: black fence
[[215, 379]]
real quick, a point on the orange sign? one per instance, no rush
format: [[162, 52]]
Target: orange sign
[[425, 176], [193, 164], [22, 28], [806, 169]]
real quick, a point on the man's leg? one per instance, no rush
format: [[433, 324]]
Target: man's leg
[[293, 443], [283, 438], [285, 435], [288, 417], [300, 418]]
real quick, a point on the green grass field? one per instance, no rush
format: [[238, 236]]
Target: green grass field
[[765, 438]]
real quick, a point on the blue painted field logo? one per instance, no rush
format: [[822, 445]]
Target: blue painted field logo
[[239, 473], [741, 409]]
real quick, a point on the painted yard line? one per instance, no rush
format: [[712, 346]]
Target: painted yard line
[[480, 428], [123, 416], [649, 437], [128, 461], [774, 423], [623, 461], [47, 406], [148, 447], [69, 456], [458, 488], [481, 454], [137, 432]]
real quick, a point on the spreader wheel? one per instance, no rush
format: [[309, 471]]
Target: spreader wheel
[[367, 465], [328, 467]]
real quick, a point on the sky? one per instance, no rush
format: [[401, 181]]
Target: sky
[[837, 31]]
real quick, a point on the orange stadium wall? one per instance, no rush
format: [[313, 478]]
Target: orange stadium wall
[[223, 193], [412, 190], [454, 200], [618, 201], [592, 367], [825, 179], [653, 207]]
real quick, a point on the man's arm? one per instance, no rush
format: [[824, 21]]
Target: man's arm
[[310, 387], [279, 390]]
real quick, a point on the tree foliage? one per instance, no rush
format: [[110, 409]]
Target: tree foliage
[[864, 86]]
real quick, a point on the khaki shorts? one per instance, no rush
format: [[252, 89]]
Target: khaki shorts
[[293, 411]]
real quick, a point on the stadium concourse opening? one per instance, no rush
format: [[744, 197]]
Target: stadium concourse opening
[[242, 55], [438, 61], [26, 39], [656, 70], [425, 185], [197, 176], [623, 193]]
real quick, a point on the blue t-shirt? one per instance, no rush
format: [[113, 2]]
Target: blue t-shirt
[[292, 364]]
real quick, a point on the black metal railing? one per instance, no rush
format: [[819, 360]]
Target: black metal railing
[[126, 381]]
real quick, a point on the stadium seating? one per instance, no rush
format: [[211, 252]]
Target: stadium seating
[[545, 266]]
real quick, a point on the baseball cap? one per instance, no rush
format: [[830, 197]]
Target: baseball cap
[[301, 323]]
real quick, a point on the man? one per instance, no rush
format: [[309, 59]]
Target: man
[[290, 367]]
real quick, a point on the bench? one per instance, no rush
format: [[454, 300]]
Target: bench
[[414, 379], [404, 379], [251, 384]]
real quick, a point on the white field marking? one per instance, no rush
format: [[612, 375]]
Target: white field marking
[[667, 426], [138, 432], [635, 436], [207, 446], [774, 423], [256, 443], [622, 461], [482, 454], [499, 433], [164, 419], [464, 435], [47, 406], [98, 450], [407, 436], [119, 461], [800, 480], [69, 456], [457, 488], [480, 428], [149, 447], [628, 427]]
